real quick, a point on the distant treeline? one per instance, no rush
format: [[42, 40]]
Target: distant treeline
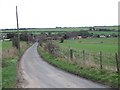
[[98, 28], [19, 29]]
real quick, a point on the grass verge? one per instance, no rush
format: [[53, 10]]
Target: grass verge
[[108, 78], [9, 73], [10, 62]]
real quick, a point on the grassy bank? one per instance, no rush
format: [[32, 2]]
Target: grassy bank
[[9, 73], [10, 57], [104, 77]]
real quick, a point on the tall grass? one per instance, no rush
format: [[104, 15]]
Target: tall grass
[[92, 48], [91, 59], [10, 57]]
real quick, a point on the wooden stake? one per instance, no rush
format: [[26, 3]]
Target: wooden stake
[[117, 62], [71, 54], [101, 60]]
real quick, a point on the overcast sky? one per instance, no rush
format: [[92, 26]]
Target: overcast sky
[[63, 13]]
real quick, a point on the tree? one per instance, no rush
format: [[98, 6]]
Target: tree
[[49, 34], [84, 33], [10, 35], [24, 36], [65, 36]]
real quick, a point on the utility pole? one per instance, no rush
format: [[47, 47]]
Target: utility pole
[[18, 36]]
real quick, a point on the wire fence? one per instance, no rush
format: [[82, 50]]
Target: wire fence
[[98, 60], [90, 59]]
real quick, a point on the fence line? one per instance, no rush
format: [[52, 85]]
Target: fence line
[[97, 60]]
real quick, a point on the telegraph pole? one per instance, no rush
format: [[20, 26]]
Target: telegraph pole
[[18, 36]]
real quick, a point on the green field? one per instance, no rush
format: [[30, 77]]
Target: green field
[[88, 51], [104, 32], [47, 29], [6, 45], [108, 45]]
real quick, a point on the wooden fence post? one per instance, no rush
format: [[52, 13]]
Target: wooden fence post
[[101, 66], [83, 55], [71, 54], [117, 62]]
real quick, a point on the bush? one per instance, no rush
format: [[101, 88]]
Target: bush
[[10, 35], [52, 48], [24, 36], [84, 33]]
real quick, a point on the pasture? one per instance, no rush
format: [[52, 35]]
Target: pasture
[[104, 32], [90, 51], [6, 45], [108, 45]]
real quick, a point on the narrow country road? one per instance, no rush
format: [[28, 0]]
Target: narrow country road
[[39, 74]]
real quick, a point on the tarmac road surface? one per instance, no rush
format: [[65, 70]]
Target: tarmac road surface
[[39, 74]]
